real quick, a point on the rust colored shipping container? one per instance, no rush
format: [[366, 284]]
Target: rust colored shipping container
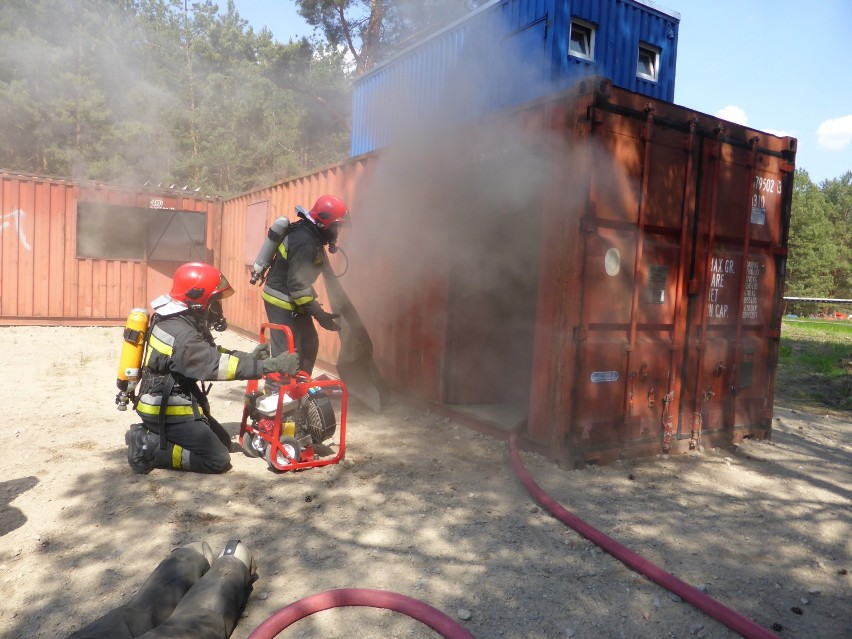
[[84, 253], [662, 291], [603, 266]]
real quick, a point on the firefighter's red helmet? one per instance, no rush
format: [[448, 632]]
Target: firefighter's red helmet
[[196, 283], [329, 210]]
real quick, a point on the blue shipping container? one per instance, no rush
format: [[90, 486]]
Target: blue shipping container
[[508, 52]]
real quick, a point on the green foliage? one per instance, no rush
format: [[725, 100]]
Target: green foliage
[[164, 92], [813, 256], [187, 93], [372, 30], [838, 193]]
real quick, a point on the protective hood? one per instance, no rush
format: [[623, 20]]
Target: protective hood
[[165, 306], [301, 212], [326, 235]]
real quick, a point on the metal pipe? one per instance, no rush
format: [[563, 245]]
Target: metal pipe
[[638, 257], [697, 401], [734, 378], [674, 388]]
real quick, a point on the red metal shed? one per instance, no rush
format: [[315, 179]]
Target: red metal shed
[[86, 253]]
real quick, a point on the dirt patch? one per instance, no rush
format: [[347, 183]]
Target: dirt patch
[[420, 506]]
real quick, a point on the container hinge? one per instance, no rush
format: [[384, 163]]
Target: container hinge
[[648, 125], [589, 225], [595, 115], [774, 333], [783, 251], [580, 333], [786, 167]]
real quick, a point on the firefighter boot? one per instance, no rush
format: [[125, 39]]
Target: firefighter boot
[[247, 570], [216, 601], [141, 448], [236, 548]]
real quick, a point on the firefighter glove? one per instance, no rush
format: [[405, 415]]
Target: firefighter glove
[[261, 351], [326, 320], [283, 363]]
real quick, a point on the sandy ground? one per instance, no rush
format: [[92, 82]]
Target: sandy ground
[[420, 506]]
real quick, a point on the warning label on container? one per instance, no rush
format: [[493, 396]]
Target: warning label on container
[[767, 191], [724, 281], [604, 376], [752, 286], [722, 271]]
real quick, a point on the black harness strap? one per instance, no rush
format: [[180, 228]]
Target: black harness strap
[[168, 384], [199, 396]]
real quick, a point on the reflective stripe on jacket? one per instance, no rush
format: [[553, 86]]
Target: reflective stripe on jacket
[[177, 345], [290, 283]]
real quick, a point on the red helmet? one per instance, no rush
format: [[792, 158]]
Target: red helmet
[[195, 284], [329, 210]]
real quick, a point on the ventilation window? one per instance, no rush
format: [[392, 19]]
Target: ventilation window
[[117, 232], [648, 65], [582, 41]]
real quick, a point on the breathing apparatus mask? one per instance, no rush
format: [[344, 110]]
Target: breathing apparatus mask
[[215, 319], [327, 223], [329, 237]]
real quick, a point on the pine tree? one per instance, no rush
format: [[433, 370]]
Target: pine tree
[[813, 253]]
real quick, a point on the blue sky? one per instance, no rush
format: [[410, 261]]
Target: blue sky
[[780, 66]]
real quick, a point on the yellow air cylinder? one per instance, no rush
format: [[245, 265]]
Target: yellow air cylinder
[[130, 360]]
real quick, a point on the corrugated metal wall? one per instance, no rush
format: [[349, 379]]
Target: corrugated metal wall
[[416, 83], [505, 53], [621, 315], [245, 309], [668, 332], [622, 26], [42, 279], [606, 266]]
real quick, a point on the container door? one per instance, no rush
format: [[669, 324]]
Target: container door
[[734, 323], [637, 241]]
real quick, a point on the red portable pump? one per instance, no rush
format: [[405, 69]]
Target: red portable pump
[[288, 428]]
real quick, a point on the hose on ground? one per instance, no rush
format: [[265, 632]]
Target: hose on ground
[[450, 629], [343, 597], [718, 611]]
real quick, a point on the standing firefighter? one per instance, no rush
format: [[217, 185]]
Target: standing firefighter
[[288, 293], [177, 430]]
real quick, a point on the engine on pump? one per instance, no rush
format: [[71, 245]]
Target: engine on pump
[[299, 424]]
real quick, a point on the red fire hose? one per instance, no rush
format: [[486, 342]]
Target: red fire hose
[[721, 613], [449, 629], [413, 608]]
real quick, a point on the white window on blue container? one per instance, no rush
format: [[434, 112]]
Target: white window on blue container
[[648, 63], [581, 42]]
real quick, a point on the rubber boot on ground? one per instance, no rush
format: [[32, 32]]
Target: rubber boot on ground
[[213, 606], [158, 597], [141, 448]]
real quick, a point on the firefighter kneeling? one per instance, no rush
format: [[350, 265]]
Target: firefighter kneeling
[[177, 430]]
